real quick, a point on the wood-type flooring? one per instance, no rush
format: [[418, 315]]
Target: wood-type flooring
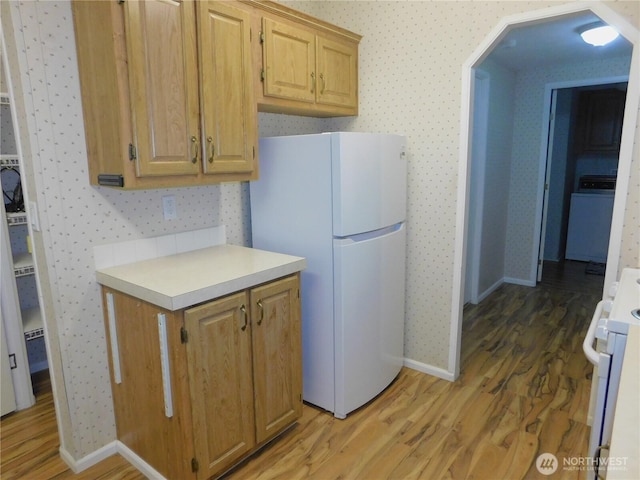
[[523, 391], [29, 445]]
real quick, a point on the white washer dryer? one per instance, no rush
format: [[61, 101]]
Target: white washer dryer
[[590, 220]]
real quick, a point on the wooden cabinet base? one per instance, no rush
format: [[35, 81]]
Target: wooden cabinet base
[[198, 390]]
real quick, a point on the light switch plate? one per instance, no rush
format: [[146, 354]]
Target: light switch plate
[[33, 213]]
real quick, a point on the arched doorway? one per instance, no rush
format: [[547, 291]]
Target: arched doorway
[[469, 68]]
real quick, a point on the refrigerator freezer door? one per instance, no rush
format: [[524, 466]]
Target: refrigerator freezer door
[[369, 277], [369, 182]]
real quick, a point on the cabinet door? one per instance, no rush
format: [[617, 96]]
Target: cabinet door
[[337, 73], [289, 62], [229, 110], [220, 377], [275, 310], [161, 48], [603, 126]]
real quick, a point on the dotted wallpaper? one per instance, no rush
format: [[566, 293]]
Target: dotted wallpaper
[[410, 83], [630, 247], [75, 216], [8, 141]]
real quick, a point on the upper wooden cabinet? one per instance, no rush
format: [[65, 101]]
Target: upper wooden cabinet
[[308, 67], [229, 107], [167, 92], [289, 62], [600, 114], [171, 89], [337, 66], [303, 66], [162, 56]]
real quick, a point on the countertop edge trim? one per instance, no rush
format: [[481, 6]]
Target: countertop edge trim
[[204, 294]]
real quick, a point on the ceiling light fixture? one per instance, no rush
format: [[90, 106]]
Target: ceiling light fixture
[[598, 34]]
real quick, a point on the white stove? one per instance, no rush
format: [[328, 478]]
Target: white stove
[[627, 297], [611, 335]]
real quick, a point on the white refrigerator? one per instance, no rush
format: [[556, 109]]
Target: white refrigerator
[[339, 199]]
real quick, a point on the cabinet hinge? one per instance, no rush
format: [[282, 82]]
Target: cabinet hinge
[[262, 75], [261, 36], [184, 336], [195, 466], [132, 152], [13, 364]]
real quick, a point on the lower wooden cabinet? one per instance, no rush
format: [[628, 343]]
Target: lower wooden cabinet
[[197, 390]]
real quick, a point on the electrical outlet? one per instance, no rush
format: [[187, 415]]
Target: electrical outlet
[[12, 361], [169, 210]]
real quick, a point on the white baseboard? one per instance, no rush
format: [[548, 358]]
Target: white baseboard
[[142, 466], [38, 366], [108, 450], [490, 290], [90, 460], [494, 287], [429, 369], [520, 281]]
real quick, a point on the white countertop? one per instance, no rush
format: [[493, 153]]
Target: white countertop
[[625, 439], [627, 297], [179, 281]]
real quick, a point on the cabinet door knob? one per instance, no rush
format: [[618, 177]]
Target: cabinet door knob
[[243, 309], [261, 307], [194, 149], [211, 148], [323, 85], [313, 82]]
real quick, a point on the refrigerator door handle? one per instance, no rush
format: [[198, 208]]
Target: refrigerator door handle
[[362, 237]]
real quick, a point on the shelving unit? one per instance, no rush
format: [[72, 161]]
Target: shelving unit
[[23, 265], [18, 218], [32, 322], [18, 228]]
